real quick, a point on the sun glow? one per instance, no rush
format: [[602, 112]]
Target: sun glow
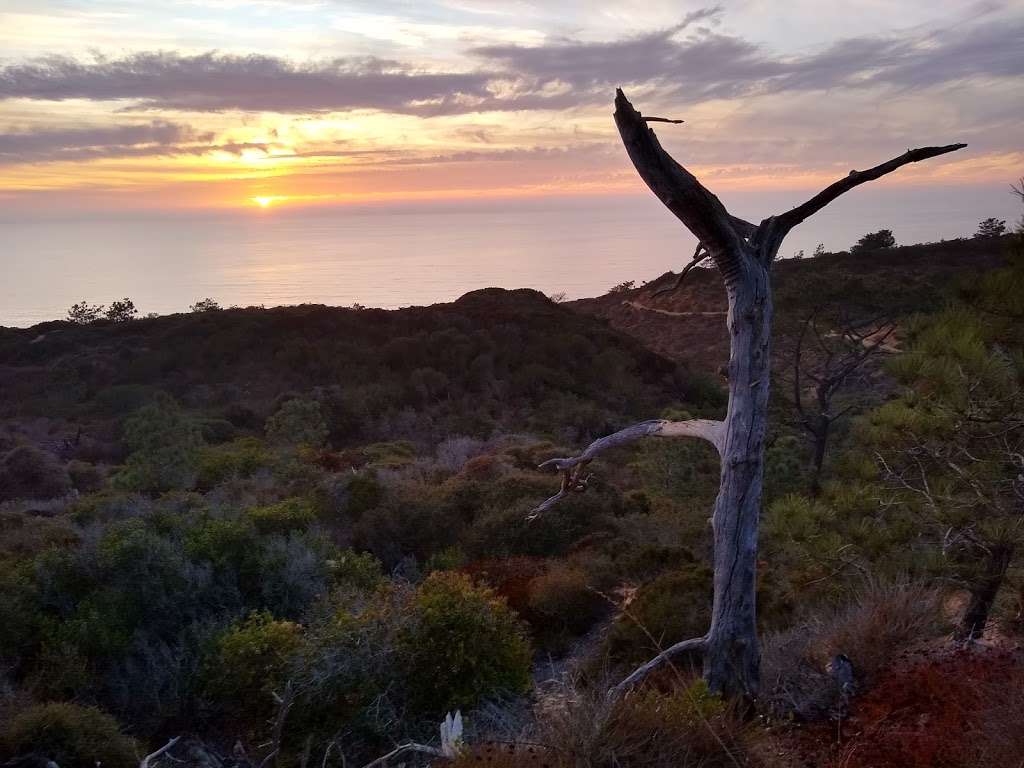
[[266, 202]]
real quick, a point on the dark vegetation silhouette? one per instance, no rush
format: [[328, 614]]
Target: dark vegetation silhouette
[[875, 241], [991, 227]]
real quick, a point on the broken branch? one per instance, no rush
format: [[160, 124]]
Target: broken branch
[[573, 466], [637, 675], [786, 221], [701, 212], [698, 257]]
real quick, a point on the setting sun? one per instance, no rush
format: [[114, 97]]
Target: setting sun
[[265, 202]]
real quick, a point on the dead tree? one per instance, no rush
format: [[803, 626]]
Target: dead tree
[[824, 363], [743, 253]]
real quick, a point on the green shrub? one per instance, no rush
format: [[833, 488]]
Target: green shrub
[[225, 543], [71, 736], [391, 454], [242, 457], [462, 644], [121, 399], [409, 522], [363, 492], [298, 421], [27, 472], [356, 569], [105, 505], [502, 527], [673, 607], [785, 463], [347, 669], [163, 444], [217, 430], [85, 477], [284, 517], [251, 662], [448, 559], [702, 389], [563, 601], [24, 535], [684, 472]]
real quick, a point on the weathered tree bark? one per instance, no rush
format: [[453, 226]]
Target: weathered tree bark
[[743, 253], [983, 592], [731, 654]]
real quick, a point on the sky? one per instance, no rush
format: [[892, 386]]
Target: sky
[[124, 105]]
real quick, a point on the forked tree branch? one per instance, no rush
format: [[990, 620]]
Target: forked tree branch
[[573, 480], [786, 221], [701, 212], [745, 229]]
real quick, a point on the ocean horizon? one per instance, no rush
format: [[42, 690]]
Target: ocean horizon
[[396, 256]]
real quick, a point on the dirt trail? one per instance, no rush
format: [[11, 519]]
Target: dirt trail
[[670, 313]]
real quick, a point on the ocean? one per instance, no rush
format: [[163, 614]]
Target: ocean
[[397, 256]]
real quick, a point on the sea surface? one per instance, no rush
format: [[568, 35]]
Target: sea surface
[[399, 256]]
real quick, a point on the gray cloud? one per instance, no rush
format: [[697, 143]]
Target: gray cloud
[[158, 138], [217, 82], [686, 63], [710, 65]]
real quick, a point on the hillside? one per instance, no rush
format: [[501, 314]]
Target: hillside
[[688, 325], [493, 360], [305, 533]]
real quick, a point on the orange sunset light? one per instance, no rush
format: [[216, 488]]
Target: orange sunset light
[[265, 201]]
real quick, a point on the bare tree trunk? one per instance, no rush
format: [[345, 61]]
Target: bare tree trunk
[[743, 253], [983, 593], [731, 655]]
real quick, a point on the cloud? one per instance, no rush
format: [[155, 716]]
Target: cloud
[[158, 138], [399, 157], [213, 82], [710, 65], [686, 63]]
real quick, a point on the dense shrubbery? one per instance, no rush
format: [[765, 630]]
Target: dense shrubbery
[[673, 607], [70, 736], [351, 536], [462, 643], [563, 601], [30, 473], [284, 517], [251, 664], [163, 444], [240, 458], [298, 422]]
